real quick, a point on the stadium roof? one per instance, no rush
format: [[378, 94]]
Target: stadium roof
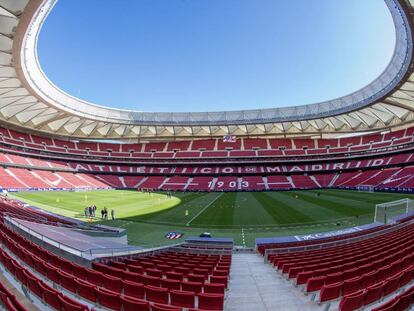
[[30, 100]]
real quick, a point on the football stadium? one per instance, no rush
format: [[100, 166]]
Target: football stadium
[[307, 207]]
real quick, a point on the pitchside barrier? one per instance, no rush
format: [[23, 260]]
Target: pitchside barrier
[[385, 212], [364, 188], [322, 245]]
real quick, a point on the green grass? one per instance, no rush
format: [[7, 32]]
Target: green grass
[[148, 217]]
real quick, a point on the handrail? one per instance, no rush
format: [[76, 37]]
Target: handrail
[[28, 218], [201, 250], [43, 220], [69, 248], [90, 253], [388, 229]]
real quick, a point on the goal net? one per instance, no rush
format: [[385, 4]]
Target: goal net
[[384, 212]]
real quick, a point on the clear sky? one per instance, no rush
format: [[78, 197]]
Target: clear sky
[[206, 55]]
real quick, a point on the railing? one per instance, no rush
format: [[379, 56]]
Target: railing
[[322, 245], [147, 250], [40, 219], [201, 250], [88, 254], [43, 220]]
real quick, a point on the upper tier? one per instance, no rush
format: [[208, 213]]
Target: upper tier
[[213, 149]]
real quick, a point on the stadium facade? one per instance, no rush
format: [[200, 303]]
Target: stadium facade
[[50, 140]]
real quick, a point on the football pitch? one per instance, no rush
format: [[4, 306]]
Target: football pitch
[[241, 215]]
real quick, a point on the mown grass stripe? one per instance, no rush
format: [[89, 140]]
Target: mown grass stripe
[[280, 211]]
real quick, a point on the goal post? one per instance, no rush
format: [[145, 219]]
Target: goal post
[[384, 212]]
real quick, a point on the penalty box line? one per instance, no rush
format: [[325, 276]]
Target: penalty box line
[[206, 207]]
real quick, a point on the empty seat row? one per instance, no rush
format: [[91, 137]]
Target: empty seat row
[[402, 301], [43, 291], [98, 287]]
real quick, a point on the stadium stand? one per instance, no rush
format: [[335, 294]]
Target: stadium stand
[[166, 279], [242, 148], [358, 274], [24, 168]]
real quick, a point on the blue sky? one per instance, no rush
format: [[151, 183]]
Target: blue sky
[[206, 55]]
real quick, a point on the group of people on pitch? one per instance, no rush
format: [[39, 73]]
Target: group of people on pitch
[[104, 213], [90, 211]]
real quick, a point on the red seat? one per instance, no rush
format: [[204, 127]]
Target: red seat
[[109, 299], [195, 287], [133, 304], [156, 294], [396, 267], [365, 268], [71, 305], [99, 267], [118, 264], [334, 278], [164, 268], [182, 270], [163, 307], [374, 292], [351, 273], [50, 296], [116, 272], [221, 272], [383, 273], [94, 277], [351, 285], [353, 301], [86, 290], [315, 283], [303, 277], [133, 289], [196, 278], [210, 301], [154, 272], [19, 273], [174, 276], [112, 283], [52, 273], [151, 280], [171, 284], [389, 306], [369, 279], [67, 281], [39, 266], [330, 291], [405, 301], [65, 265], [182, 298], [79, 271], [392, 284], [33, 284], [10, 305], [214, 288], [408, 275], [219, 280], [132, 276], [135, 269], [200, 271]]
